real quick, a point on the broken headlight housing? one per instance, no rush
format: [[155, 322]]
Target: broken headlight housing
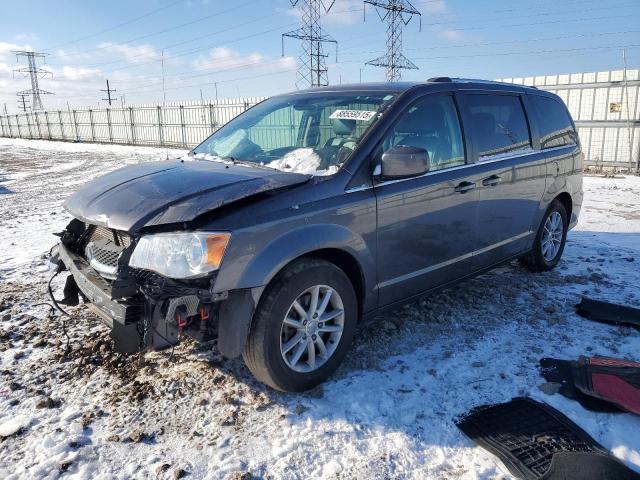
[[180, 255]]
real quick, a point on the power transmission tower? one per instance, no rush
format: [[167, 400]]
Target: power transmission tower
[[397, 14], [35, 73], [23, 101], [312, 67], [108, 91]]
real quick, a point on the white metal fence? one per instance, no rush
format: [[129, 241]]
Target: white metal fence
[[606, 109], [183, 124], [605, 106]]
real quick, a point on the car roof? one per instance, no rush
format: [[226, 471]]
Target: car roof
[[432, 83]]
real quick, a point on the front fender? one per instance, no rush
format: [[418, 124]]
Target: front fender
[[262, 263]]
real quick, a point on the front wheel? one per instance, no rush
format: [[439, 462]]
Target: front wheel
[[302, 327], [550, 239]]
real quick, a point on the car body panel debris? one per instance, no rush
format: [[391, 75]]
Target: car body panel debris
[[607, 312]]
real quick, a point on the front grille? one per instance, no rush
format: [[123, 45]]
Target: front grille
[[106, 255], [119, 238], [103, 248]]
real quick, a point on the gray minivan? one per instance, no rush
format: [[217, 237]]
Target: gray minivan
[[316, 210]]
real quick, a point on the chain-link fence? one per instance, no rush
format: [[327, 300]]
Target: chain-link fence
[[183, 124]]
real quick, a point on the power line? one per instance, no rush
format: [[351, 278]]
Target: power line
[[108, 92], [529, 52], [34, 73], [571, 20], [312, 68], [199, 49], [532, 52], [177, 27], [397, 14], [128, 22], [188, 52], [206, 74], [250, 77], [507, 42]]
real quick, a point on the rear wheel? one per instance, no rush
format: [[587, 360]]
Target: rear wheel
[[550, 239], [303, 326]]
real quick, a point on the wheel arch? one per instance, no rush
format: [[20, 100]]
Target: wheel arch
[[567, 202], [331, 242], [346, 262]]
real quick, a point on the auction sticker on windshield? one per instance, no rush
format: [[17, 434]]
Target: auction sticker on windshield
[[362, 115]]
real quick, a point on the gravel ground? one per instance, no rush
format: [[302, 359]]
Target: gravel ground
[[72, 408]]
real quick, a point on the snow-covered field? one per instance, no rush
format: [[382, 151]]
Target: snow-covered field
[[388, 412]]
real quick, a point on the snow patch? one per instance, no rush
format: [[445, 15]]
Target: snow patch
[[13, 425], [302, 160]]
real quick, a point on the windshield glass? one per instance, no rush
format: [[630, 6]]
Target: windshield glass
[[311, 133]]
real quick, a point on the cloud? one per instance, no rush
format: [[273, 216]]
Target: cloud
[[452, 35], [7, 48], [132, 53], [223, 58], [79, 73], [26, 37], [432, 6], [75, 55]]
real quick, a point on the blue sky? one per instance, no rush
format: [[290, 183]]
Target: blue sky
[[238, 44]]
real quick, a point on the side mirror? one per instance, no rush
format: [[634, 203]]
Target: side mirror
[[403, 161]]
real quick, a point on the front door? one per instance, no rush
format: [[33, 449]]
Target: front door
[[427, 224]]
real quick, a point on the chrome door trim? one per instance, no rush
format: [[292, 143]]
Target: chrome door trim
[[360, 188], [446, 263]]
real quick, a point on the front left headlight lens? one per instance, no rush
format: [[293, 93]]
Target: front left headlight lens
[[180, 255]]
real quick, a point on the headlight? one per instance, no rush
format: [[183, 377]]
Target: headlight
[[180, 255]]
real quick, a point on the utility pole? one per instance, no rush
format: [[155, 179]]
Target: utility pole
[[164, 95], [34, 73], [23, 102], [628, 109], [312, 68], [215, 84], [108, 92], [397, 14]]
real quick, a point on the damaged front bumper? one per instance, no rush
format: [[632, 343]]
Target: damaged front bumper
[[147, 311]]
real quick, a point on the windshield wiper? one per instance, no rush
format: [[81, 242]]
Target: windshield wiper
[[248, 163]]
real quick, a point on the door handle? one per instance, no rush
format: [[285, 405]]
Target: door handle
[[464, 187], [491, 181]]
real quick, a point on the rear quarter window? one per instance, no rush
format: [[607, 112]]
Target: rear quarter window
[[499, 124], [554, 123]]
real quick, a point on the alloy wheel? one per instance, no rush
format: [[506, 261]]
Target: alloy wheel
[[552, 236], [312, 328]]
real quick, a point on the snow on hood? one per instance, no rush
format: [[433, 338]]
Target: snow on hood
[[302, 160]]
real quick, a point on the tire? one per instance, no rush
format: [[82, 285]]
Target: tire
[[268, 353], [542, 258]]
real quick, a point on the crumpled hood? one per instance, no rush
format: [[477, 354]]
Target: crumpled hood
[[170, 192]]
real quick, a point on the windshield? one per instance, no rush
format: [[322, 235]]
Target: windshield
[[311, 133]]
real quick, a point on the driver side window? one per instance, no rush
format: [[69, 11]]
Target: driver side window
[[431, 124]]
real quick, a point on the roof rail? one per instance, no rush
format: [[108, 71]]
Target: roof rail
[[440, 79]]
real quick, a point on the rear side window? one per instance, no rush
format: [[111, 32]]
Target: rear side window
[[499, 124], [554, 123]]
